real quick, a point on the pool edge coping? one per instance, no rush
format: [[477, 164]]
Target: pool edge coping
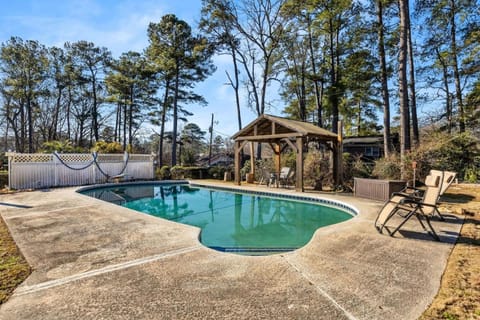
[[349, 209]]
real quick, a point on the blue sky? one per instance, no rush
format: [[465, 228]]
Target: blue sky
[[119, 25]]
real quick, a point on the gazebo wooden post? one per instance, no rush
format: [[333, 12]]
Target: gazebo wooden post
[[337, 151], [252, 158], [340, 153], [237, 152], [277, 159], [335, 162], [299, 172]]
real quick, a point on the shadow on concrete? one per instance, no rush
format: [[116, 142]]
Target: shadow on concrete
[[15, 205], [445, 236]]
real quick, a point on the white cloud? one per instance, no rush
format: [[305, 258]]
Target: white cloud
[[120, 28]]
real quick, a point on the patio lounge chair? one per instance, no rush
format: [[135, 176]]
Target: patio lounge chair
[[285, 176], [406, 206], [447, 179], [265, 178]]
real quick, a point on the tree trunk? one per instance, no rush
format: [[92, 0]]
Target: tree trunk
[[130, 118], [235, 86], [318, 101], [22, 129], [402, 85], [80, 133], [94, 108], [124, 125], [30, 124], [175, 116], [411, 85], [303, 99], [359, 118], [69, 132], [448, 103], [333, 96], [162, 123], [384, 79], [53, 132], [116, 135], [456, 72]]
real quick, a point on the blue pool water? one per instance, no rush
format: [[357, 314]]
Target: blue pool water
[[234, 222]]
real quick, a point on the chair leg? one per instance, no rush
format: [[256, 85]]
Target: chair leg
[[407, 217], [421, 223], [439, 214], [432, 231]]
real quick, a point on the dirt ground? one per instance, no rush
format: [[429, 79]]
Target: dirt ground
[[13, 267], [459, 294]]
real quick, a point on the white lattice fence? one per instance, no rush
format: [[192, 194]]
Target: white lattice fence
[[34, 171]]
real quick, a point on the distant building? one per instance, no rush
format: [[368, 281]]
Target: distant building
[[219, 159], [368, 147]]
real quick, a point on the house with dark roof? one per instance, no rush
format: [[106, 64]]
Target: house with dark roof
[[367, 147]]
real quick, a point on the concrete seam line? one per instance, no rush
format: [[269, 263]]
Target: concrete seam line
[[321, 291], [88, 274], [28, 214]]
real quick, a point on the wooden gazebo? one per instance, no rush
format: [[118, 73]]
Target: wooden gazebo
[[280, 133]]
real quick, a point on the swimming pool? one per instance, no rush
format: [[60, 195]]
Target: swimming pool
[[231, 221]]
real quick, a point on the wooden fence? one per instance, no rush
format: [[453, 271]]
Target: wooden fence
[[38, 170]]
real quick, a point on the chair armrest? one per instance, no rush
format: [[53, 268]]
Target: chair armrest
[[407, 195], [417, 202]]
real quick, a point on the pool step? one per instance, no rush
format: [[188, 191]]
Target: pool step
[[253, 250]]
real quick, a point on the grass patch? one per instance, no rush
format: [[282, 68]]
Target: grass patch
[[459, 294], [13, 266]]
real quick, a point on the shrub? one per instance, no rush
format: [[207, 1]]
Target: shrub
[[195, 172], [163, 173], [317, 169], [3, 179], [440, 150], [187, 158], [3, 162], [217, 172], [289, 159], [177, 172], [245, 169], [361, 168], [107, 147], [63, 146], [263, 167], [457, 152], [387, 168], [472, 172]]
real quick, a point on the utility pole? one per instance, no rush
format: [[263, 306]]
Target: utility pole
[[211, 141]]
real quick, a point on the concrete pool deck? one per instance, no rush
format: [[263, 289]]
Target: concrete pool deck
[[96, 260]]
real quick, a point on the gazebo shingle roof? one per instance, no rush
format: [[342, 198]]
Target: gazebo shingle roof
[[268, 127]]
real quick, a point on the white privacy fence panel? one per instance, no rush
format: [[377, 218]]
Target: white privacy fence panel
[[34, 171]]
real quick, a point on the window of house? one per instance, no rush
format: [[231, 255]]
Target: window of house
[[372, 152]]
